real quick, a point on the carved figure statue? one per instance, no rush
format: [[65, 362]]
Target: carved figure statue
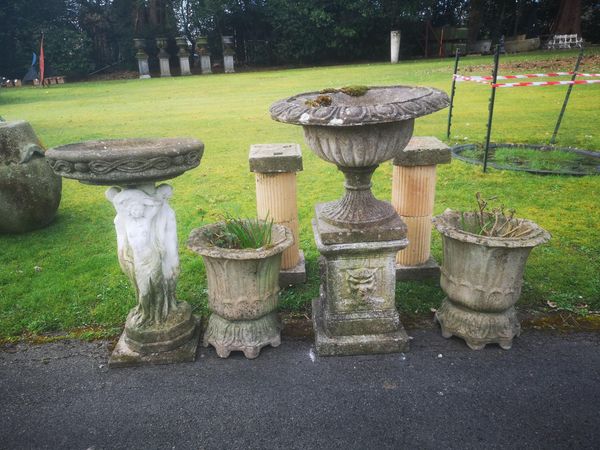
[[147, 248]]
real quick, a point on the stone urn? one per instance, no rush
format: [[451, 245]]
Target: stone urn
[[243, 292], [357, 128], [29, 190], [482, 278], [357, 133], [159, 329]]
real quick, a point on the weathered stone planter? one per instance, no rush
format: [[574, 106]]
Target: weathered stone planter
[[243, 292], [29, 190], [159, 329], [482, 278], [358, 235]]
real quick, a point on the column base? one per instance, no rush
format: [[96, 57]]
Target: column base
[[392, 229], [124, 356], [326, 345], [248, 336], [428, 270], [295, 275], [478, 328]]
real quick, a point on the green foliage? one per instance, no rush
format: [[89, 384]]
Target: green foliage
[[241, 233], [67, 52]]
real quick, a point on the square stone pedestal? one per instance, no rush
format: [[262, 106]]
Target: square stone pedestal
[[295, 275], [356, 312], [124, 356], [426, 271]]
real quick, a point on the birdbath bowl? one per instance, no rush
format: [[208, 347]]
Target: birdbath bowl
[[159, 329], [357, 129]]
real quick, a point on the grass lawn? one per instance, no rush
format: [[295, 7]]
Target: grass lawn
[[79, 288]]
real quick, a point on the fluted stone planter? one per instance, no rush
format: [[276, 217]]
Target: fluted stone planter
[[243, 292], [358, 236], [159, 329], [29, 190], [482, 278]]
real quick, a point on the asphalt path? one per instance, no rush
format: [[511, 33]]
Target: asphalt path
[[543, 393]]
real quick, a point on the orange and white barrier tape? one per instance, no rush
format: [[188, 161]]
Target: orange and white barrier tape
[[488, 79], [543, 83]]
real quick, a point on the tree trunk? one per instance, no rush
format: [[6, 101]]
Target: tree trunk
[[474, 21], [568, 19]]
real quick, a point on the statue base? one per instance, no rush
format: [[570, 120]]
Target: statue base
[[124, 356]]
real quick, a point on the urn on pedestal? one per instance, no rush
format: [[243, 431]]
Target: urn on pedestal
[[357, 128]]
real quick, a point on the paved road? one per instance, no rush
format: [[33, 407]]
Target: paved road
[[544, 393]]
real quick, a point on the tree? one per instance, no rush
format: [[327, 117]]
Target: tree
[[568, 18]]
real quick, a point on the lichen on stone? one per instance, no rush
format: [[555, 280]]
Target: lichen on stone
[[321, 100]]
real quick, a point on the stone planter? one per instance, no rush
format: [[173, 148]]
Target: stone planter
[[243, 292], [29, 190], [482, 278]]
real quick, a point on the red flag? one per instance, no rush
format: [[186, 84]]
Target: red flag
[[42, 60]]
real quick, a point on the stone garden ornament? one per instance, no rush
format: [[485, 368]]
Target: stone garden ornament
[[159, 329], [357, 128], [29, 190], [482, 277], [243, 291]]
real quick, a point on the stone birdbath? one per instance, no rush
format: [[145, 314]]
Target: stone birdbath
[[357, 128], [159, 329]]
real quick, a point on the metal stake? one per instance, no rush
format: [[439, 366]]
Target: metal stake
[[452, 91], [564, 106], [491, 107]]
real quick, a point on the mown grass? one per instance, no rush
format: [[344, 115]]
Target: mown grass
[[79, 286]]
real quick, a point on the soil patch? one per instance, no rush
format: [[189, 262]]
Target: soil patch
[[589, 64]]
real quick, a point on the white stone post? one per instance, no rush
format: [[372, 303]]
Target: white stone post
[[275, 166], [202, 51], [184, 56], [413, 194], [163, 57], [228, 65], [395, 46], [228, 54]]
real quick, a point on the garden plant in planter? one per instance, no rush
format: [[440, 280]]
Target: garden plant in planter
[[482, 273], [242, 259]]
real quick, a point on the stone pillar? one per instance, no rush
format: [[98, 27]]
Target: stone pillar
[[142, 58], [163, 57], [275, 166], [202, 50], [228, 54], [394, 46], [413, 194], [184, 55]]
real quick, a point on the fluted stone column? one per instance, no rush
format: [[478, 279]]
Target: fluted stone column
[[413, 194], [163, 57], [275, 166]]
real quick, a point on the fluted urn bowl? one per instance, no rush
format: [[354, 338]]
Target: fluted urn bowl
[[357, 129], [125, 161]]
